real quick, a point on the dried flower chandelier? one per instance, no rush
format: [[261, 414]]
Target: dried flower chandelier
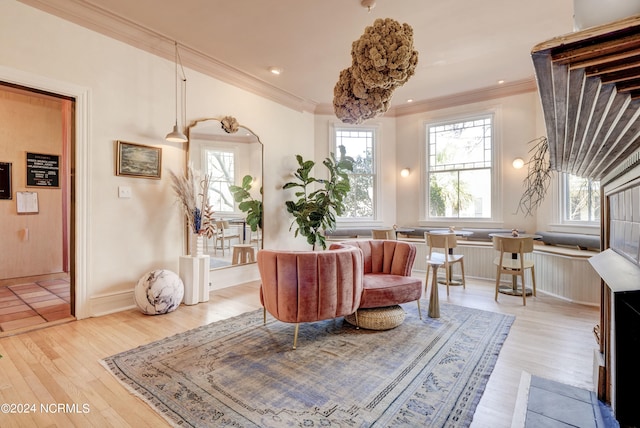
[[383, 59]]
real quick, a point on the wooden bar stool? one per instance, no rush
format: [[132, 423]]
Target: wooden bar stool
[[242, 254]]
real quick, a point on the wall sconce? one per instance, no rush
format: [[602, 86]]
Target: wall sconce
[[405, 172], [518, 163], [176, 136]]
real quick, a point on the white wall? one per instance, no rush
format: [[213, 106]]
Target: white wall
[[517, 119], [386, 155], [131, 98], [129, 95]]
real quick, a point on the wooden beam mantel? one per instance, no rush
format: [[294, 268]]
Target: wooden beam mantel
[[589, 83]]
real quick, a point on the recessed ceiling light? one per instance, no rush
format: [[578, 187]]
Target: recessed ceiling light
[[275, 70], [500, 82], [410, 100]]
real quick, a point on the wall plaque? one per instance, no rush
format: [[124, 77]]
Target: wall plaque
[[43, 170], [5, 180]]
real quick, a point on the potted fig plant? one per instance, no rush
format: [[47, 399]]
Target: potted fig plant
[[247, 203], [319, 201]]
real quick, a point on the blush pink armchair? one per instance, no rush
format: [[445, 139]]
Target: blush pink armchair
[[308, 286], [387, 273]]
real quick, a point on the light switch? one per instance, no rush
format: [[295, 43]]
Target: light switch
[[124, 191]]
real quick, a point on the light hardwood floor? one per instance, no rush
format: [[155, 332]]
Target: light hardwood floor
[[61, 364]]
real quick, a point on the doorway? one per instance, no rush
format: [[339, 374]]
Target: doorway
[[36, 159]]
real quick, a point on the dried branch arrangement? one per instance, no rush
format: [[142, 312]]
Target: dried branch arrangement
[[208, 225], [193, 199], [538, 178]]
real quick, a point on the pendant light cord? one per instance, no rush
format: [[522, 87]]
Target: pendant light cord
[[175, 85], [176, 135], [183, 87]]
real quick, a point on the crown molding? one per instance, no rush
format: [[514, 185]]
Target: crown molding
[[468, 97], [461, 98], [104, 22], [483, 94]]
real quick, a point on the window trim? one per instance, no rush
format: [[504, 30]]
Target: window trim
[[203, 161], [562, 204], [377, 186], [496, 168]]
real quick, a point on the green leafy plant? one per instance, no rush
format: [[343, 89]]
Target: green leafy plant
[[247, 203], [316, 211]]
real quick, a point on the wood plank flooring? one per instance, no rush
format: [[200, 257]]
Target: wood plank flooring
[[60, 365]]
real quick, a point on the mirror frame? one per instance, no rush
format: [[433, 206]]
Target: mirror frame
[[230, 125]]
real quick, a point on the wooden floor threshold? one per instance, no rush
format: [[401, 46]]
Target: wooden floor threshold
[[33, 278], [32, 328]]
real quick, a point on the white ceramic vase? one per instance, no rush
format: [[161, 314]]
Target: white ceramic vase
[[196, 245]]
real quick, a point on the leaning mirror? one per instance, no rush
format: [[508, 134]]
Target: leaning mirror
[[231, 154]]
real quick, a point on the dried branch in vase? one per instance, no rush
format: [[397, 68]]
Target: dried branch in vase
[[538, 178], [192, 195], [208, 226]]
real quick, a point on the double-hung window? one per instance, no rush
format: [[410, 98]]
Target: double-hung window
[[359, 143], [460, 168], [581, 200], [220, 164]]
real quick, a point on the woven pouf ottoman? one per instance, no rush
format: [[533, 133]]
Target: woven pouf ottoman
[[159, 292], [384, 318]]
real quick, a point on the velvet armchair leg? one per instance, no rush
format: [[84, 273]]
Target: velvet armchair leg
[[295, 335]]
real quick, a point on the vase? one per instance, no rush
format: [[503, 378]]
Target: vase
[[196, 245]]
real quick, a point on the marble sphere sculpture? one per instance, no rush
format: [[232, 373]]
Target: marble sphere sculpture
[[159, 292]]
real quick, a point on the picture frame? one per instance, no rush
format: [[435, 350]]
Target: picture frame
[[138, 160], [43, 170], [5, 180]]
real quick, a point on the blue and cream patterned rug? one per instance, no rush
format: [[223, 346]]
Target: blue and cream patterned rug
[[240, 373]]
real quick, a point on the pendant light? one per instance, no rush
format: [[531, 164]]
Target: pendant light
[[176, 136]]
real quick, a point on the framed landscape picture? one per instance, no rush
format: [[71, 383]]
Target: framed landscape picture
[[137, 160]]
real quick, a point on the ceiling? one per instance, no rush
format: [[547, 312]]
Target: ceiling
[[464, 46]]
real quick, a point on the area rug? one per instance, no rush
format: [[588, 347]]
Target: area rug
[[216, 263], [241, 373]]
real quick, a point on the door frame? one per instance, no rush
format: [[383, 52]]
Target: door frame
[[80, 179]]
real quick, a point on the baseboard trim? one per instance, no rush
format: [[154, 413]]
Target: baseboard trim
[[228, 277], [105, 304], [111, 303]]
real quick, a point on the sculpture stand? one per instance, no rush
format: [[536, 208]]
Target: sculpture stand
[[194, 272], [434, 304]]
